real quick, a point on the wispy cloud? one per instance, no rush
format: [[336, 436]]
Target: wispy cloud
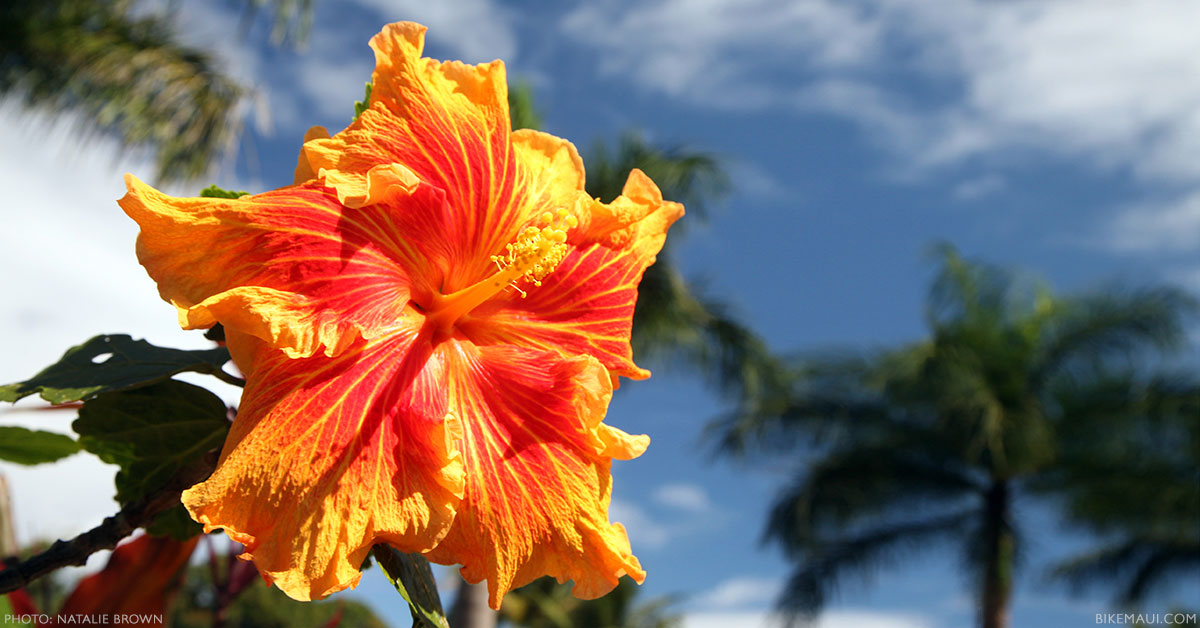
[[643, 530], [1172, 225], [741, 592], [690, 498], [725, 53], [1110, 84], [674, 511], [979, 187]]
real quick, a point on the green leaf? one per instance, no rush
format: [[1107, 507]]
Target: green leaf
[[412, 577], [151, 433], [31, 447], [213, 191], [364, 104], [111, 363]]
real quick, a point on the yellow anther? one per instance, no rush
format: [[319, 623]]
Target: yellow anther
[[536, 252]]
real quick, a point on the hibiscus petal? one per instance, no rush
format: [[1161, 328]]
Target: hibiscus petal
[[304, 170], [293, 266], [449, 123], [537, 460], [550, 168], [586, 305], [329, 456]]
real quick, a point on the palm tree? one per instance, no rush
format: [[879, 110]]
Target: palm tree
[[940, 441], [125, 73], [1133, 480]]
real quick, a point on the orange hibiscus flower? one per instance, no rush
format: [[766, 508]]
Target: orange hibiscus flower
[[431, 322]]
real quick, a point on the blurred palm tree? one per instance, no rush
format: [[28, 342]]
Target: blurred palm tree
[[546, 604], [1133, 480], [125, 73], [940, 442]]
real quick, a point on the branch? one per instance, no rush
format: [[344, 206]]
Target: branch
[[105, 536]]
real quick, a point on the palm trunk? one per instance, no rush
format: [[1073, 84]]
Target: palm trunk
[[8, 535], [997, 575], [471, 608]]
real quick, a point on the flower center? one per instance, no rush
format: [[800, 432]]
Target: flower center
[[536, 252]]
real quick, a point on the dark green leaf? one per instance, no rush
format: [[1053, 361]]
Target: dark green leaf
[[151, 432], [30, 447], [175, 523], [111, 363], [213, 191], [412, 577]]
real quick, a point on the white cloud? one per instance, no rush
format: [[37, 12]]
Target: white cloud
[[754, 180], [690, 498], [1065, 76], [1111, 84], [643, 530], [741, 592], [1173, 225], [979, 187], [830, 619], [720, 51]]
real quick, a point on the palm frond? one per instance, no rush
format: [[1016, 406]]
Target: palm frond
[[1133, 566], [1113, 324], [851, 487], [126, 75], [824, 570]]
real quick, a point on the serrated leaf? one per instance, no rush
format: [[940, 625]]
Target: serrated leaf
[[151, 432], [110, 363], [30, 447], [412, 577]]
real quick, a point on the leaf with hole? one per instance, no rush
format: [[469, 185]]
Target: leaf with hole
[[111, 363]]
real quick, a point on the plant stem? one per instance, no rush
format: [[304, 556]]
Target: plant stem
[[105, 536]]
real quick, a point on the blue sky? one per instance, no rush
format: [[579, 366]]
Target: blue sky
[[1058, 137]]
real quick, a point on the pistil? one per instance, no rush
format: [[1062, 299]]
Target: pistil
[[536, 252]]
